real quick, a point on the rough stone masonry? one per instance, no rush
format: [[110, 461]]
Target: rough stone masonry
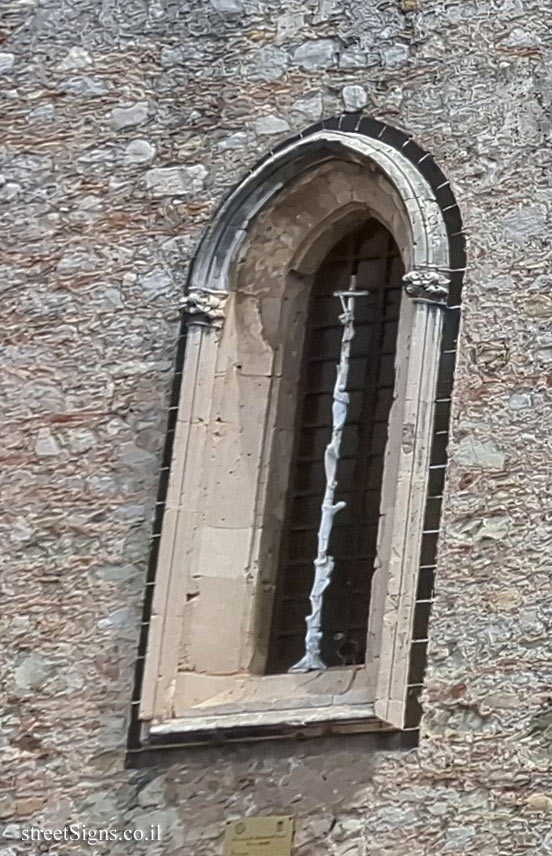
[[123, 124]]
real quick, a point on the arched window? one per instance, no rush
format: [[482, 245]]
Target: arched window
[[270, 313]]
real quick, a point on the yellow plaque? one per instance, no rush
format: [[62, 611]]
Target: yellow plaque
[[259, 836]]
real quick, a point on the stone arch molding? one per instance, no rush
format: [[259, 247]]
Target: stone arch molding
[[427, 252], [188, 687]]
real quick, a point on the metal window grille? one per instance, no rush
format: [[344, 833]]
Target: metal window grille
[[370, 255]]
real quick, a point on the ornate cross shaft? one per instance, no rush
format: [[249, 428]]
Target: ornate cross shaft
[[324, 564]]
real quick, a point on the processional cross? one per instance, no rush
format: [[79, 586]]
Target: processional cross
[[324, 564]]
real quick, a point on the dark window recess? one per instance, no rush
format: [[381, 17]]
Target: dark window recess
[[372, 255]]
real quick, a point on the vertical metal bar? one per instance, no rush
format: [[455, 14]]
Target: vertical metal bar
[[324, 564]]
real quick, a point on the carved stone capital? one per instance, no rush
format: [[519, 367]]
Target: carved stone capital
[[205, 306], [428, 285]]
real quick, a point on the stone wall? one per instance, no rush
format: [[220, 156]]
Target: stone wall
[[123, 123]]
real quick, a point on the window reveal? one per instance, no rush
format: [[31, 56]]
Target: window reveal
[[371, 256]]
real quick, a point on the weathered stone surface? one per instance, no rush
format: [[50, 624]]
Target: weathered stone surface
[[239, 140], [311, 107], [46, 444], [152, 794], [476, 453], [228, 7], [93, 258], [77, 57], [271, 125], [7, 806], [353, 57], [529, 221], [10, 190], [28, 806], [129, 115], [520, 401], [177, 180], [394, 55], [6, 62], [520, 38], [87, 86], [33, 671], [354, 97], [269, 63], [139, 151], [316, 54]]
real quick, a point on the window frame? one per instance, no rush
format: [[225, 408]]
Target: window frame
[[381, 701]]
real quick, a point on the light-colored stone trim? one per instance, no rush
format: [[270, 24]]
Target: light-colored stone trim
[[427, 247], [169, 608], [358, 717], [406, 472], [426, 285], [204, 303], [212, 578]]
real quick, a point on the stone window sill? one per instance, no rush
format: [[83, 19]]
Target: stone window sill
[[254, 725], [337, 700]]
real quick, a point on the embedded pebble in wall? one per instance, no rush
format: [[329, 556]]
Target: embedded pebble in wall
[[316, 54], [269, 63], [520, 401], [543, 351], [81, 440], [118, 618], [156, 281], [326, 10], [76, 58], [44, 113], [394, 55], [228, 7], [6, 62], [239, 140], [176, 180], [520, 38], [475, 453], [354, 57], [271, 125], [33, 671], [130, 115], [46, 444], [88, 86], [528, 221], [7, 808], [354, 97], [172, 56], [289, 24], [139, 151], [311, 107], [10, 190]]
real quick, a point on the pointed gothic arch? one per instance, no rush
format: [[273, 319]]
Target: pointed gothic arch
[[188, 688]]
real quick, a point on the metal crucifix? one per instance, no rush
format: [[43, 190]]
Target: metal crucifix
[[324, 564]]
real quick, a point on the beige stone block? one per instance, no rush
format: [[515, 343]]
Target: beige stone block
[[243, 344], [205, 694], [217, 625], [194, 690], [27, 806], [234, 451], [274, 479], [271, 309], [223, 553]]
